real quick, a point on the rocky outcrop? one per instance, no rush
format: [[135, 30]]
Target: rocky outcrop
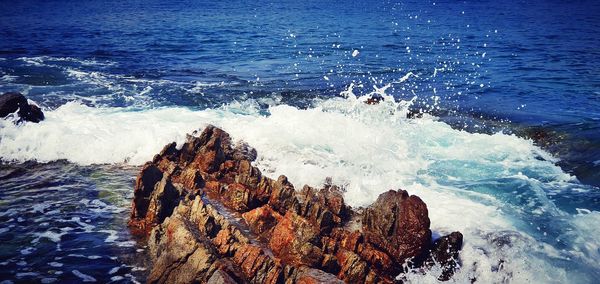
[[212, 217], [17, 103]]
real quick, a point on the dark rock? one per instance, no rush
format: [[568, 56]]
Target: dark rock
[[399, 224], [16, 102], [375, 99], [444, 252], [155, 197]]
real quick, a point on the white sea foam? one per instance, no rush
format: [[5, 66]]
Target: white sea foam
[[8, 78], [83, 277], [32, 61], [114, 270], [200, 86], [27, 250], [48, 60], [27, 274], [88, 135], [463, 177], [40, 207], [112, 235], [51, 235], [95, 78], [55, 264], [587, 233], [128, 244]]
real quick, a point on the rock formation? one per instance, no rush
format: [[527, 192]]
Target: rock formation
[[212, 217], [17, 103]]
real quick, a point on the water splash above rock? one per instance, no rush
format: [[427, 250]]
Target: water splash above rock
[[212, 216]]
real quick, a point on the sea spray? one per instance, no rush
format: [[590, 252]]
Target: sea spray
[[490, 187]]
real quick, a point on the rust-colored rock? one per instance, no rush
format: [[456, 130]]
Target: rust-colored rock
[[212, 217], [296, 241], [398, 224], [262, 220]]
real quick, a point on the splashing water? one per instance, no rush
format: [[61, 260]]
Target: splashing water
[[496, 189]]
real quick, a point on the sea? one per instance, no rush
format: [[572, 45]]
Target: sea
[[489, 111]]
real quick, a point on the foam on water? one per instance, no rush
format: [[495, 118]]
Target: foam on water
[[49, 60], [87, 135], [492, 188], [83, 277]]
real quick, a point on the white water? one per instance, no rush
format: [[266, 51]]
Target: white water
[[489, 187]]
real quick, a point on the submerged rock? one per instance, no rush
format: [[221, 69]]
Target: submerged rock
[[212, 217], [17, 103], [444, 252], [375, 99]]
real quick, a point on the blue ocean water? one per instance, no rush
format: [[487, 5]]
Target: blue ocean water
[[510, 92]]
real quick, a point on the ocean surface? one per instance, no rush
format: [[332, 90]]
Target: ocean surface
[[502, 143]]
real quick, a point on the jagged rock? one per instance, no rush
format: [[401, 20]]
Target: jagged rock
[[296, 241], [262, 220], [183, 255], [319, 207], [444, 252], [213, 217], [332, 197], [354, 268], [16, 102], [282, 196], [399, 224], [155, 197]]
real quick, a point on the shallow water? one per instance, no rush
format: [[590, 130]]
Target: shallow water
[[118, 81], [62, 222]]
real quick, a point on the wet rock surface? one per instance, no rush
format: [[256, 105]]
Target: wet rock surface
[[212, 217], [444, 252], [17, 103]]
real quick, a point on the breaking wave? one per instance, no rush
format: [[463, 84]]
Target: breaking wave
[[493, 188]]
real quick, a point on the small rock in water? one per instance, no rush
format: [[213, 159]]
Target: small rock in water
[[445, 253], [375, 99], [17, 103]]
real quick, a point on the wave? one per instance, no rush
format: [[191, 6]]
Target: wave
[[50, 61], [87, 135], [493, 188]]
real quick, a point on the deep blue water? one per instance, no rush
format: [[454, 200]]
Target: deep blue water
[[535, 63], [526, 67]]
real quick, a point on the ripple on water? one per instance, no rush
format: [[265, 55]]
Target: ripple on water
[[76, 231]]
